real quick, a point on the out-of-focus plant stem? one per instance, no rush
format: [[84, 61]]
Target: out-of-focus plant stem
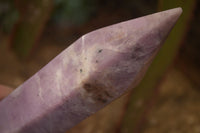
[[33, 17], [137, 107]]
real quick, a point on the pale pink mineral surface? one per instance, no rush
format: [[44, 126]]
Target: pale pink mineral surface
[[93, 71]]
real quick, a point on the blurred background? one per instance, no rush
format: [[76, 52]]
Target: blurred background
[[32, 32]]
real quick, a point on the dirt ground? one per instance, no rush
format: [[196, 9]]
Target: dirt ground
[[177, 108]]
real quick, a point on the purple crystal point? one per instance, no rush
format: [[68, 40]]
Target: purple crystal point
[[93, 71]]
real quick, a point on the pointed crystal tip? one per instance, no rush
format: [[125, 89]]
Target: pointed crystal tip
[[175, 11], [179, 10]]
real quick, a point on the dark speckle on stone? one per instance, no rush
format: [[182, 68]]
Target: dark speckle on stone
[[101, 99], [81, 70], [107, 94], [97, 61], [138, 49], [100, 50], [133, 56]]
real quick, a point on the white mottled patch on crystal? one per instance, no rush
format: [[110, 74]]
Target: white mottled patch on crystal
[[39, 86], [58, 82]]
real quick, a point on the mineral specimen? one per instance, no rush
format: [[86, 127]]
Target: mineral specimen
[[96, 69]]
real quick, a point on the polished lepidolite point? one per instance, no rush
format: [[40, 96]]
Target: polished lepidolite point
[[96, 69]]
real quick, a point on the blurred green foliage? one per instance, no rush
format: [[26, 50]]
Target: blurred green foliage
[[65, 12], [27, 30], [73, 11], [8, 15]]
